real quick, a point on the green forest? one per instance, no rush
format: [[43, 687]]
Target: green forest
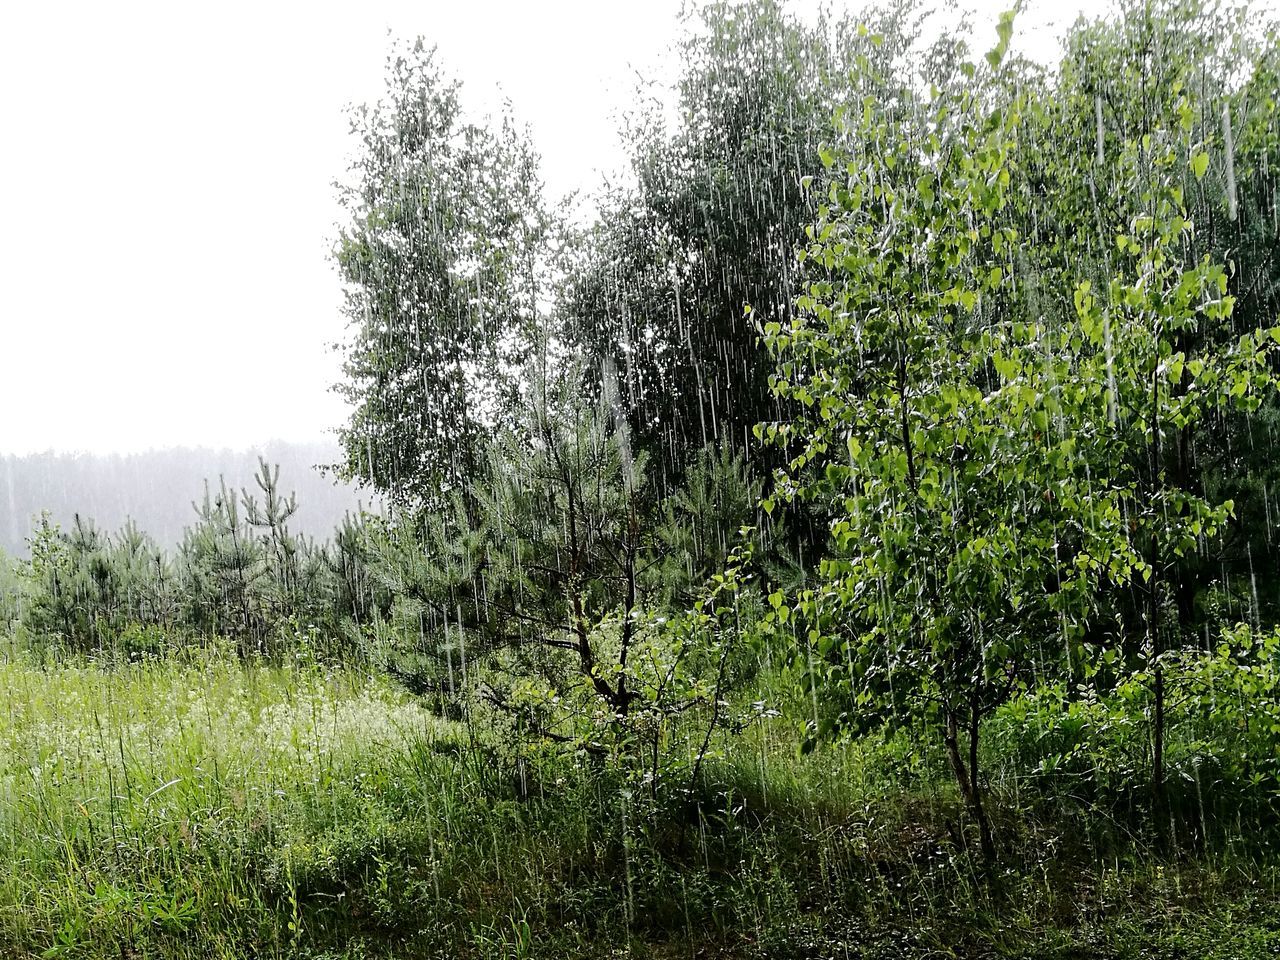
[[853, 534]]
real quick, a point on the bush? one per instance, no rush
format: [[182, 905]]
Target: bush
[[1089, 746]]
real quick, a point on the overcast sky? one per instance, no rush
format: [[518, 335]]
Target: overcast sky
[[166, 199]]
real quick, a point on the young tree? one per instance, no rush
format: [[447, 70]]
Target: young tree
[[1198, 79], [48, 569], [700, 524], [990, 467], [565, 536], [440, 259], [283, 554], [221, 567], [354, 596], [12, 592], [1151, 342], [930, 458], [146, 586], [1155, 140]]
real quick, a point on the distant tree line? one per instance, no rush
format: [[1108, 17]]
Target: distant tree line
[[240, 571], [154, 489]]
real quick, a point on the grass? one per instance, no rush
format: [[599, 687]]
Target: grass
[[208, 808], [133, 802]]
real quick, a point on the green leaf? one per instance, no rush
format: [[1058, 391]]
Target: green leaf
[[1004, 30], [1200, 164], [924, 187]]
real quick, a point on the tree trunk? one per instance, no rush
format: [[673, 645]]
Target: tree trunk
[[1158, 798], [1157, 743], [967, 777]]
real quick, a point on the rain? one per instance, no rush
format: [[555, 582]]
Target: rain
[[832, 518]]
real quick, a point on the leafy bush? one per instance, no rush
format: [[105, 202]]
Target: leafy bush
[[1089, 747]]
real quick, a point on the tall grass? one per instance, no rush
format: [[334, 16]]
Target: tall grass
[[211, 808], [152, 803]]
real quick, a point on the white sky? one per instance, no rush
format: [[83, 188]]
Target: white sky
[[166, 207]]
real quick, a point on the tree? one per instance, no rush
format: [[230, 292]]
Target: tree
[[51, 609], [919, 435], [440, 256], [1166, 374], [347, 557], [146, 588], [12, 592], [993, 469], [606, 617], [283, 554], [222, 569], [700, 524], [563, 537], [714, 219], [1173, 71], [1171, 208], [87, 587]]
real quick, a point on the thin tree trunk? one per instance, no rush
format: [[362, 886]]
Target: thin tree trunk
[[967, 777], [1157, 744], [979, 808]]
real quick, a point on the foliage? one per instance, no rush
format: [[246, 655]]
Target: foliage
[[714, 217], [996, 474], [550, 596], [922, 436], [12, 592], [168, 806], [240, 572], [84, 587], [1012, 337], [702, 521], [1091, 746], [1149, 88], [444, 231]]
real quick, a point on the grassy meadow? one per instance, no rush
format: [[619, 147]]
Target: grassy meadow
[[204, 807]]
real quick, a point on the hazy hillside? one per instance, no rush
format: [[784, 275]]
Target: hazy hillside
[[157, 488]]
